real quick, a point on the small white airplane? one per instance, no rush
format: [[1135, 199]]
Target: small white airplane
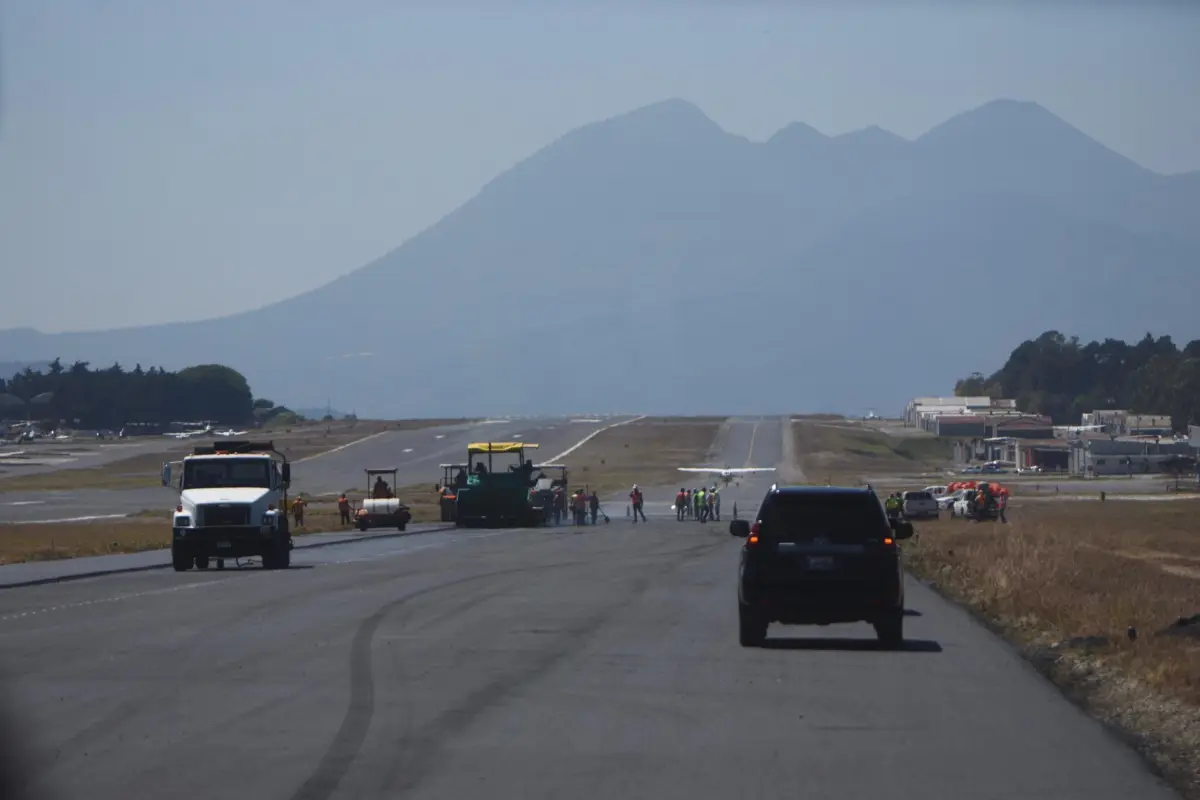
[[190, 434], [230, 432], [728, 474]]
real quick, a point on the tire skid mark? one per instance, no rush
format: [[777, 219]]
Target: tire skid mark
[[352, 733], [408, 770]]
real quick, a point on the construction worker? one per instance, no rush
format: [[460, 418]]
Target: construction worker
[[635, 499], [680, 501], [344, 509], [894, 505], [717, 503], [579, 506], [710, 504], [556, 500], [1002, 504], [380, 490], [697, 498], [298, 511], [687, 503], [594, 505]]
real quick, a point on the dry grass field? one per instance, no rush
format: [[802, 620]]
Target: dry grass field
[[843, 453], [647, 452], [1065, 582]]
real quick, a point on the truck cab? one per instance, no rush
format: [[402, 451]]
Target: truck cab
[[232, 504]]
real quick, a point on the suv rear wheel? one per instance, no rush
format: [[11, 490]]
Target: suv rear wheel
[[752, 629], [890, 629]]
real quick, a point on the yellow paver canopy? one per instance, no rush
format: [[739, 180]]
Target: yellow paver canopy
[[499, 447]]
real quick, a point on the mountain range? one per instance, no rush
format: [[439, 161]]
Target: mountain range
[[654, 262]]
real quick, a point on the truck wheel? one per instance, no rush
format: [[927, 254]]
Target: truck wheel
[[201, 562], [401, 526], [180, 560], [752, 629], [362, 525]]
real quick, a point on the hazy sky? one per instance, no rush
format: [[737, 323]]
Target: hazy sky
[[168, 160]]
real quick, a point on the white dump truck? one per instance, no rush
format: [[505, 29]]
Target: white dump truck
[[232, 504]]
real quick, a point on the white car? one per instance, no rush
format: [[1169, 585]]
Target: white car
[[948, 500], [919, 505], [1034, 470]]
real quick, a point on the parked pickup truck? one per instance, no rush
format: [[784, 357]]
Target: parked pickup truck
[[919, 505]]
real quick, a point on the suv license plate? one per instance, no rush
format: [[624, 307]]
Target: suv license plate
[[823, 563], [223, 545]]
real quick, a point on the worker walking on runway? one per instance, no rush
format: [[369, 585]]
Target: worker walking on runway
[[716, 504], [594, 505], [635, 499], [680, 503], [344, 509]]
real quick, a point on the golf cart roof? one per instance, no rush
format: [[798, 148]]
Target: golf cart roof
[[550, 466], [388, 471], [453, 466], [500, 447]]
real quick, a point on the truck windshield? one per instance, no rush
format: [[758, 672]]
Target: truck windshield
[[221, 473]]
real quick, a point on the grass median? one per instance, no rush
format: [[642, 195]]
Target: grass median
[[142, 471], [647, 452], [1065, 582], [848, 453]]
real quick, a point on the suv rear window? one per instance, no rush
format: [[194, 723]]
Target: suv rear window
[[918, 496], [843, 519]]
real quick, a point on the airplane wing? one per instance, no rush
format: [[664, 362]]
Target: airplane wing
[[752, 469], [719, 471]]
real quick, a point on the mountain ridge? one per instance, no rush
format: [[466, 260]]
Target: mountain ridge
[[655, 218]]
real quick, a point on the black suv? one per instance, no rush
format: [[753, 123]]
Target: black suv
[[817, 555]]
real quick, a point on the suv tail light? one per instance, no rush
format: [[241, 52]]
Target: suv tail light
[[754, 530]]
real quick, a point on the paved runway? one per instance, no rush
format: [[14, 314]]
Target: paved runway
[[415, 453], [596, 663]]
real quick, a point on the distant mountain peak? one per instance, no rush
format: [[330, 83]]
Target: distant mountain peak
[[674, 112], [796, 134], [872, 134]]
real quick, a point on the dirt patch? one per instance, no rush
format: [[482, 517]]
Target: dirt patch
[[846, 454], [140, 471], [1066, 582]]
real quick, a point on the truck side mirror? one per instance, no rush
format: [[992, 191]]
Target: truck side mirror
[[902, 529], [287, 474], [739, 528], [166, 474]]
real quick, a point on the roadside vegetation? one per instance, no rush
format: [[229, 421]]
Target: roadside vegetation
[[1066, 583]]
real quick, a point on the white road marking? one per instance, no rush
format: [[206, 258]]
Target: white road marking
[[591, 436], [407, 450], [440, 436], [66, 519], [341, 447], [98, 601], [25, 503]]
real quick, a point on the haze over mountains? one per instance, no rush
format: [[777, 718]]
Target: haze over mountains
[[654, 262]]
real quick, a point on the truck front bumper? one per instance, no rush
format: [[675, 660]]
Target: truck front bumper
[[224, 542]]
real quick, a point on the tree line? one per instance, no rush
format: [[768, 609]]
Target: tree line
[[112, 397], [1063, 378]]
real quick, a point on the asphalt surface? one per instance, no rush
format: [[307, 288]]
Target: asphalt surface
[[569, 663], [415, 453], [50, 456]]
